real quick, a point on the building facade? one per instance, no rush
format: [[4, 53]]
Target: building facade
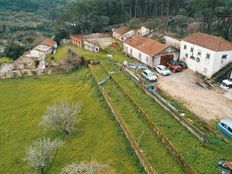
[[205, 54], [76, 40], [91, 46], [148, 51]]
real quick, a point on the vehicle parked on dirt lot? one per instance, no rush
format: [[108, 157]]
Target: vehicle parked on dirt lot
[[182, 64], [163, 70], [226, 84], [174, 66], [149, 75], [225, 126], [225, 166]]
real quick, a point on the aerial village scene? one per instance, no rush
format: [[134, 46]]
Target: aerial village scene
[[116, 87]]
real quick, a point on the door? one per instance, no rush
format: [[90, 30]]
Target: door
[[166, 58]]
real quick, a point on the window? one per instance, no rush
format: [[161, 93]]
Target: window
[[140, 55], [205, 70], [186, 55], [207, 56], [192, 57], [192, 50], [147, 59], [198, 59], [185, 47], [224, 56], [229, 129], [224, 125]]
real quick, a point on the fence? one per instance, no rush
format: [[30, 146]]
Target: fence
[[138, 151], [159, 99], [158, 132]]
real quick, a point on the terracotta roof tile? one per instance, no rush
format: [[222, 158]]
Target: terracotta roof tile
[[77, 36], [147, 46], [49, 42], [211, 42], [121, 30]]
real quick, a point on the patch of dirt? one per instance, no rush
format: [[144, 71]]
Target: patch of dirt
[[207, 104]]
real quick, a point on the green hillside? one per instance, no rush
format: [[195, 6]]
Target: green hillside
[[97, 137]]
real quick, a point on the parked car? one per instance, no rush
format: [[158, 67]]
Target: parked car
[[149, 75], [226, 84], [225, 166], [225, 126], [174, 66], [182, 64], [163, 70]]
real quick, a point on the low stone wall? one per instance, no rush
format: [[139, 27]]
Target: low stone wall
[[24, 73]]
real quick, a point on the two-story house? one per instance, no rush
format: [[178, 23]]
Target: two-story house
[[205, 54]]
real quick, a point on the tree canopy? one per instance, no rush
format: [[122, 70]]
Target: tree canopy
[[88, 16]]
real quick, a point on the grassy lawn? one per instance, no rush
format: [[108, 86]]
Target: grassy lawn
[[97, 136], [5, 60]]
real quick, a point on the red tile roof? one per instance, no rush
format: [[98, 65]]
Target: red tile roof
[[145, 45], [211, 42], [49, 42], [121, 30], [77, 36]]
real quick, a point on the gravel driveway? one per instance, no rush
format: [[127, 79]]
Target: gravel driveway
[[207, 104]]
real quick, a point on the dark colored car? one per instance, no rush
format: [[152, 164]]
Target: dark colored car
[[174, 66], [183, 64]]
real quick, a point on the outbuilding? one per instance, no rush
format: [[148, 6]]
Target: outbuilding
[[123, 33], [149, 52]]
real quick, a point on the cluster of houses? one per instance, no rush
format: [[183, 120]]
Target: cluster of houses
[[33, 60], [93, 42], [203, 53]]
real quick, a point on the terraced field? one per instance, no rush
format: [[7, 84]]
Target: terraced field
[[156, 153], [194, 152], [97, 136]]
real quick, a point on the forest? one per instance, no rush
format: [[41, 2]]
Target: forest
[[213, 16]]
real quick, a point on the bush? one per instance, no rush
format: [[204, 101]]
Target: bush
[[133, 23]]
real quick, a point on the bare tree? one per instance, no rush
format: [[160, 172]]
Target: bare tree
[[41, 152], [62, 117], [92, 167]]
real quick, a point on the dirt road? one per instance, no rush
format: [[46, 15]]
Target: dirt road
[[207, 104]]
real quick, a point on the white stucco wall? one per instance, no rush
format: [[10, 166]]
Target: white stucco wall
[[204, 66], [39, 54], [172, 42], [91, 46], [140, 56], [146, 59]]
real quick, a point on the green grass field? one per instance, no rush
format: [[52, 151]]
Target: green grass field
[[5, 60], [97, 136]]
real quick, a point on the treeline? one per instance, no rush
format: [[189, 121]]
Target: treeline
[[93, 15]]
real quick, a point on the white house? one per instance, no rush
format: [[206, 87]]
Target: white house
[[205, 54], [123, 33], [41, 51], [148, 51]]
